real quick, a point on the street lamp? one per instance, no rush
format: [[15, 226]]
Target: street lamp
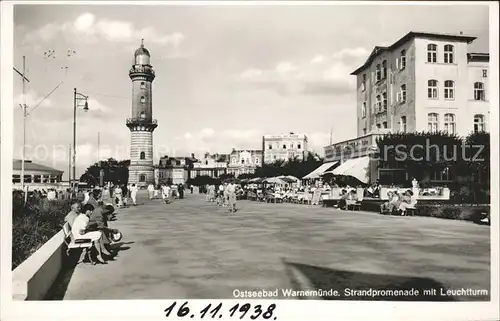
[[77, 97]]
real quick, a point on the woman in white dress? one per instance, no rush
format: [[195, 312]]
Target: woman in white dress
[[133, 193]]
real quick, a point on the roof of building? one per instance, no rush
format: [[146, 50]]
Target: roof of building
[[411, 35], [478, 56], [141, 50], [30, 166]]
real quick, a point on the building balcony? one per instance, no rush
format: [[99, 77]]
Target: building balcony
[[136, 121], [139, 70]]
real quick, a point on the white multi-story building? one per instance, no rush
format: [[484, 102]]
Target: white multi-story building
[[244, 161], [424, 82], [283, 147]]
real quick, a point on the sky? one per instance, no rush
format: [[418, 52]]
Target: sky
[[225, 75]]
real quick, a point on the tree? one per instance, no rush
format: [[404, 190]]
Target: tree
[[246, 176], [293, 167], [202, 181], [419, 153], [115, 172], [226, 177]]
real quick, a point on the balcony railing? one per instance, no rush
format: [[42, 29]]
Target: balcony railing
[[142, 69], [141, 121]]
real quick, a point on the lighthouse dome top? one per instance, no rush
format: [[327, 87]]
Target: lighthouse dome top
[[142, 55]]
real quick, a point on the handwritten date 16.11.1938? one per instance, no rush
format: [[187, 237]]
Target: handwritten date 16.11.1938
[[210, 311]]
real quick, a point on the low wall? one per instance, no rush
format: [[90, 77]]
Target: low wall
[[34, 277]]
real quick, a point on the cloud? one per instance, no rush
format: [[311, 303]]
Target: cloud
[[321, 75], [87, 27], [32, 99]]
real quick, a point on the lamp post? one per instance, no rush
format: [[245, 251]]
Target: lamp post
[[77, 97]]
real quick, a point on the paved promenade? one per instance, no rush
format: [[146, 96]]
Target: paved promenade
[[193, 249]]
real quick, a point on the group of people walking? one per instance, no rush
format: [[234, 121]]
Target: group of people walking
[[223, 195], [119, 194], [168, 192]]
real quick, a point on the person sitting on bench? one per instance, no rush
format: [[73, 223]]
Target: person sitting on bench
[[352, 199], [407, 202], [343, 199], [392, 203], [80, 230]]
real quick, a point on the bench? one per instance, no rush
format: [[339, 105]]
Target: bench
[[69, 240]]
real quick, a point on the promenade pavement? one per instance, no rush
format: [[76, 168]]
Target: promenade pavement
[[194, 249]]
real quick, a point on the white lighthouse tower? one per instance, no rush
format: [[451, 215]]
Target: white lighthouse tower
[[141, 123]]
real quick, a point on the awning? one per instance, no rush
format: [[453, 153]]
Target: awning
[[320, 170], [357, 167]]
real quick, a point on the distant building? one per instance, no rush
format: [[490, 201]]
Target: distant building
[[244, 161], [210, 165], [174, 169], [36, 176], [283, 147]]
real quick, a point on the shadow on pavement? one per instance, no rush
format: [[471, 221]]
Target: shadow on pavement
[[60, 286], [326, 279]]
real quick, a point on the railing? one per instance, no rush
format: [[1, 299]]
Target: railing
[[143, 69], [141, 121]]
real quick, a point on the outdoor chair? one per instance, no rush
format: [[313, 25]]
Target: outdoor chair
[[85, 244]]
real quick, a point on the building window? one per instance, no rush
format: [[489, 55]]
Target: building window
[[450, 124], [143, 99], [403, 124], [433, 122], [384, 124], [45, 179], [363, 83], [298, 146], [364, 131], [27, 178], [284, 146], [143, 155], [432, 89], [478, 91], [143, 85], [448, 54], [363, 110], [485, 73], [142, 178], [378, 126], [384, 69], [233, 160], [16, 178], [384, 101], [143, 115], [257, 161], [270, 146], [449, 89], [378, 104], [242, 161], [479, 125], [432, 53], [53, 179], [403, 93], [37, 179], [378, 73], [402, 60]]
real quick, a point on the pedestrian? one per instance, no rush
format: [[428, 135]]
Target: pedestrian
[[151, 191], [231, 193], [118, 196], [166, 193], [191, 188], [181, 191], [133, 194]]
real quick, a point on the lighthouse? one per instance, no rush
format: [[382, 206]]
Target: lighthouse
[[141, 122]]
